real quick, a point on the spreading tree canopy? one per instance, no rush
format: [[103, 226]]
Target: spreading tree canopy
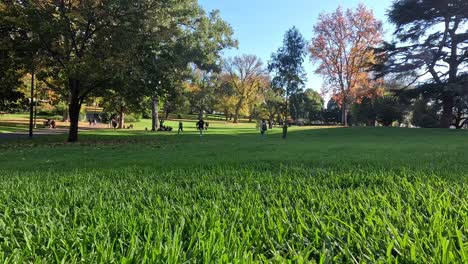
[[431, 39], [92, 46], [342, 45]]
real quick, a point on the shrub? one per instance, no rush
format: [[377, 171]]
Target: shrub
[[425, 115], [388, 110]]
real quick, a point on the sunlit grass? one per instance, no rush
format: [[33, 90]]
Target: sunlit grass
[[328, 195]]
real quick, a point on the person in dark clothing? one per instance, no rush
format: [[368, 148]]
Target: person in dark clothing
[[200, 126], [263, 128], [114, 123], [181, 127], [285, 130]]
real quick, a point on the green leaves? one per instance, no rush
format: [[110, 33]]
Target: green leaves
[[230, 213], [352, 195]]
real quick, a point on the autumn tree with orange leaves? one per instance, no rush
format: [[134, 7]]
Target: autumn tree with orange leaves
[[342, 47]]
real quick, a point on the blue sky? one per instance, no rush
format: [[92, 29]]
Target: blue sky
[[259, 25]]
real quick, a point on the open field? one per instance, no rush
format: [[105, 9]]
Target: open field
[[325, 195]]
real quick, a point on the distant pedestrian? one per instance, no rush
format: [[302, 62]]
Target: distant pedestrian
[[181, 127], [263, 128], [206, 125], [89, 120], [200, 126], [114, 123], [285, 130]]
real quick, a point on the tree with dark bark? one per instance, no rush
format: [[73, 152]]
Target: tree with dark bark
[[190, 37], [82, 41], [430, 39], [460, 113]]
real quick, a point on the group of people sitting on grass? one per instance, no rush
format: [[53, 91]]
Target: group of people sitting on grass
[[50, 123], [162, 127], [201, 125]]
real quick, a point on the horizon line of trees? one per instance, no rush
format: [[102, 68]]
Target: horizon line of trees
[[149, 56]]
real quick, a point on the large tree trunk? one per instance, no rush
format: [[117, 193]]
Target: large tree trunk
[[122, 119], [236, 115], [154, 114], [447, 111], [237, 110], [226, 115], [31, 106], [271, 118], [252, 113], [65, 115], [167, 110], [74, 110], [344, 114]]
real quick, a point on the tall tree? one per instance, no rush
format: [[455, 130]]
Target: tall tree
[[342, 45], [431, 38], [182, 35], [273, 101], [306, 105], [82, 40], [225, 93], [10, 79], [286, 65], [201, 89], [246, 76]]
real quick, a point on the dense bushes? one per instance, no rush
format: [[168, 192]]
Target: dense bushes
[[385, 110], [425, 114]]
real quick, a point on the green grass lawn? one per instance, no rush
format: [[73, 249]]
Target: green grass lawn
[[325, 195]]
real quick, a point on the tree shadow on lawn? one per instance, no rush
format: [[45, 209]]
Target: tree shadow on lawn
[[345, 136], [352, 149]]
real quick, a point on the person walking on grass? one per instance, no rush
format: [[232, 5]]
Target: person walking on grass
[[201, 126], [181, 127], [285, 130], [263, 128], [114, 123]]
